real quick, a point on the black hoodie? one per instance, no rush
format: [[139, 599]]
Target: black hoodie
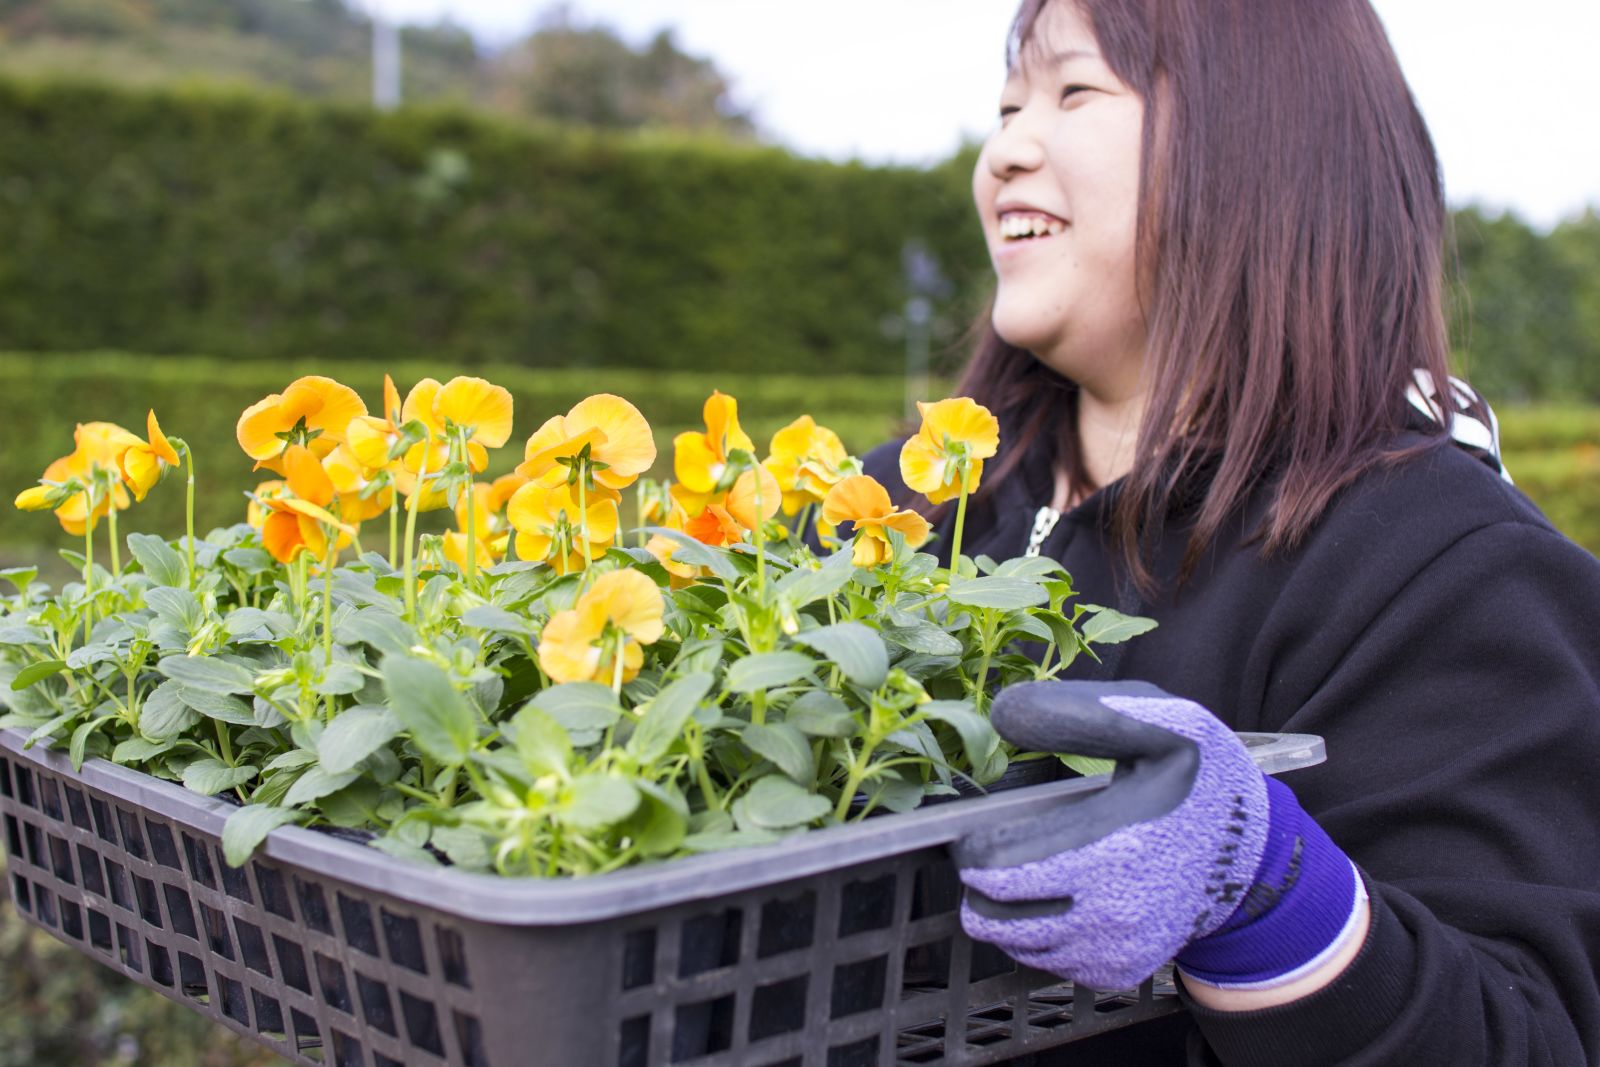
[[1444, 639]]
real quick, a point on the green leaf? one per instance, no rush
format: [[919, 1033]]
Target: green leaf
[[541, 741], [496, 620], [439, 717], [722, 840], [18, 634], [468, 848], [1089, 766], [245, 622], [164, 712], [340, 679], [1110, 627], [584, 709], [137, 749], [1060, 627], [315, 784], [178, 607], [802, 586], [768, 670], [159, 560], [21, 577], [856, 648], [776, 803], [596, 801], [785, 746], [294, 759], [404, 850], [1028, 567], [978, 738], [383, 630], [659, 824], [217, 706], [212, 776], [353, 735], [924, 637], [661, 721], [1005, 594], [80, 738], [821, 714], [246, 828], [251, 561], [690, 551], [37, 672], [207, 674], [88, 655]]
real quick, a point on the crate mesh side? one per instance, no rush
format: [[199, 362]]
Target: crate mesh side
[[866, 965]]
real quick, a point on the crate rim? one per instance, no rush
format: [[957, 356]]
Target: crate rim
[[528, 901]]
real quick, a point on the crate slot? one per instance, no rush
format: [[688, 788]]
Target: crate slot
[[160, 963], [162, 846], [858, 986], [49, 797], [702, 1028], [269, 1015], [639, 958], [709, 942], [307, 1037], [453, 956], [778, 1008], [925, 967], [347, 1051], [989, 962], [33, 841], [89, 869], [149, 904], [128, 949], [403, 935], [5, 779], [216, 925], [787, 924], [21, 893], [359, 931], [633, 1042], [78, 808], [61, 859], [291, 964], [234, 1005], [863, 1053], [192, 978], [866, 905], [104, 828], [44, 903], [180, 911], [274, 894], [380, 1060], [469, 1036], [13, 837], [422, 1023], [199, 862], [100, 930], [314, 906], [132, 836], [25, 787], [118, 884], [376, 1008], [71, 920], [330, 979], [236, 883], [252, 946]]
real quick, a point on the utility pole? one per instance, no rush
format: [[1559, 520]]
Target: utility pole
[[925, 283], [385, 62]]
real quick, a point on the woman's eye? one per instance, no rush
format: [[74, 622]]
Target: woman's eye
[[1073, 90], [1006, 111]]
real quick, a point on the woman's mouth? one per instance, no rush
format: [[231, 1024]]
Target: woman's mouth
[[1018, 226]]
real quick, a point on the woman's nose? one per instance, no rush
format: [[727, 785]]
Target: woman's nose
[[1014, 148]]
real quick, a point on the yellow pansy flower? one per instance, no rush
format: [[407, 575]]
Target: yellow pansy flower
[[622, 609], [620, 444], [700, 460], [549, 527], [315, 408], [143, 462], [370, 437], [954, 432], [98, 448], [807, 460], [299, 522], [860, 499]]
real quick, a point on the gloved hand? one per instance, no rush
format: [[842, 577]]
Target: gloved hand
[[1190, 852]]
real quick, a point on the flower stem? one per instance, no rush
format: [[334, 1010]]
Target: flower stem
[[327, 609], [394, 526], [111, 530], [188, 511], [472, 534], [760, 533], [88, 559], [583, 522], [961, 519], [412, 506]]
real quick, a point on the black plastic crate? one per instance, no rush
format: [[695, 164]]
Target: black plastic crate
[[838, 948]]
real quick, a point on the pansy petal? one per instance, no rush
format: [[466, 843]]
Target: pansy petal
[[697, 466], [419, 405], [742, 498], [855, 498], [912, 525], [629, 448], [258, 429], [478, 405], [158, 440], [307, 478], [280, 535]]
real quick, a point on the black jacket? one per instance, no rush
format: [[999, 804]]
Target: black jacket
[[1445, 640]]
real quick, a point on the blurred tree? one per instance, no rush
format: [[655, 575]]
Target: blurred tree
[[586, 74]]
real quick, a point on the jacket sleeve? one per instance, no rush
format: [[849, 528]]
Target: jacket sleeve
[[1462, 721]]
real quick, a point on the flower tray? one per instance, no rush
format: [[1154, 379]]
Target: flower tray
[[836, 948]]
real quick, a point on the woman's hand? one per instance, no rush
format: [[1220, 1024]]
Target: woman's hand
[[1190, 852]]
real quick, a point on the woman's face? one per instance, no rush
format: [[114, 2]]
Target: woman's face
[[1057, 190]]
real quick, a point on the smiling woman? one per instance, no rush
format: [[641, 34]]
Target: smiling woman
[[1219, 362]]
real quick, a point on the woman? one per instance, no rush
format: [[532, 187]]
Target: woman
[[1217, 231]]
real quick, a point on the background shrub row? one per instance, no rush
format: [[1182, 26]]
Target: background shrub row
[[1550, 451]]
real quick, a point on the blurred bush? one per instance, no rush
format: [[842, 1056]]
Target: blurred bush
[[253, 226]]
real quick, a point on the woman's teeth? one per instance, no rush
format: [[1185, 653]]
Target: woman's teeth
[[1025, 227]]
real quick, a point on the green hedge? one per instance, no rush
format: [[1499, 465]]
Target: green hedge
[[251, 226], [199, 399]]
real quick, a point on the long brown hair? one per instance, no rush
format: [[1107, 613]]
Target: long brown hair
[[1291, 228]]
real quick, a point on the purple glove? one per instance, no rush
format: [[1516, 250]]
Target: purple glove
[[1190, 852]]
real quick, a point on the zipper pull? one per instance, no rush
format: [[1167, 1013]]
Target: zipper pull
[[1044, 521]]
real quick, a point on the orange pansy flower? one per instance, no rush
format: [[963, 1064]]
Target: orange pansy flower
[[860, 499], [620, 444], [143, 462], [954, 432], [622, 608], [700, 460], [318, 408], [549, 525]]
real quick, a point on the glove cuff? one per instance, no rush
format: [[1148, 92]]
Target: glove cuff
[[1301, 907]]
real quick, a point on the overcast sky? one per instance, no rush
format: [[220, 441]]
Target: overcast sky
[[1512, 94]]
